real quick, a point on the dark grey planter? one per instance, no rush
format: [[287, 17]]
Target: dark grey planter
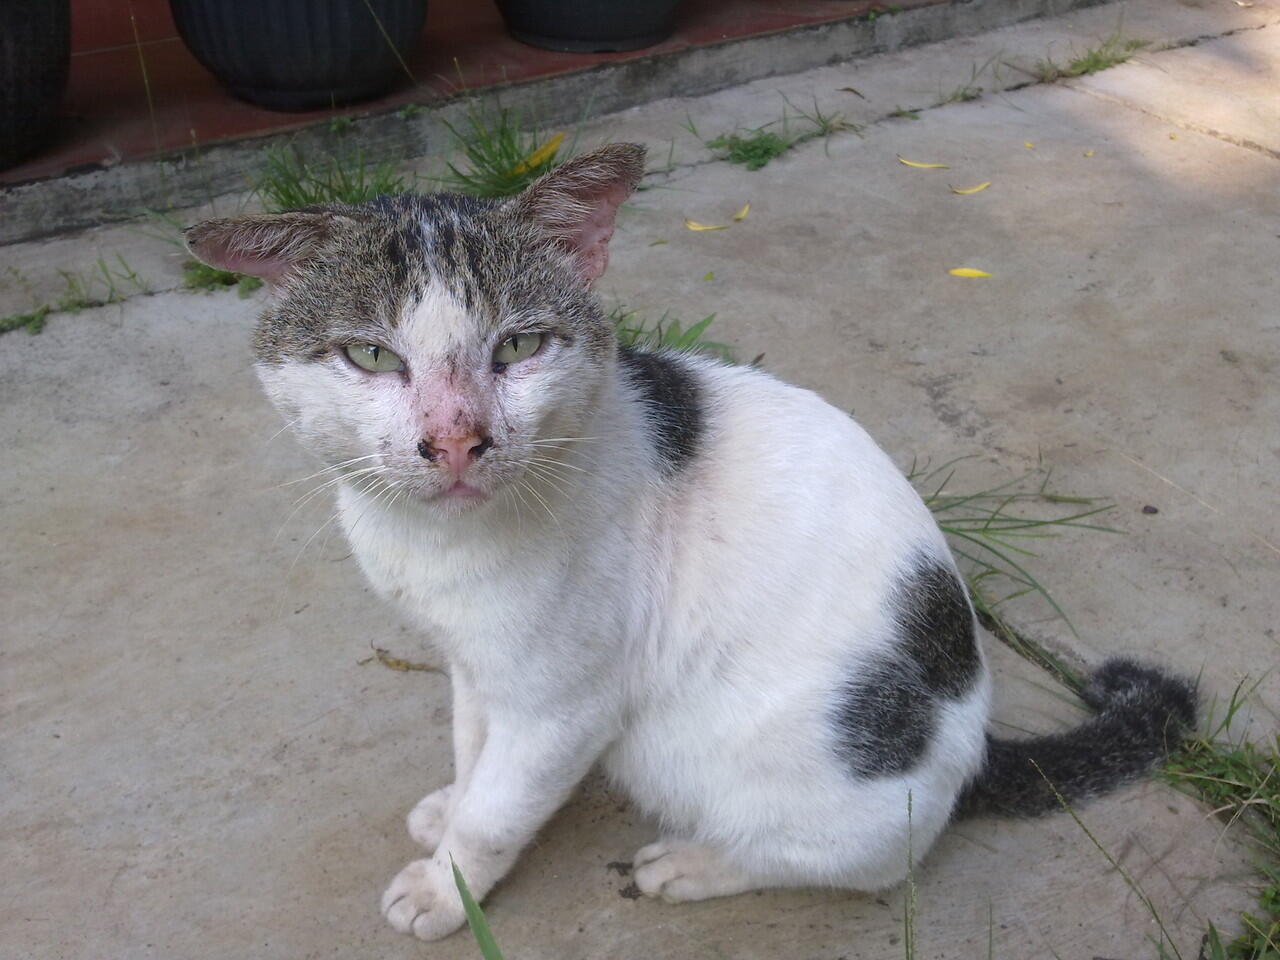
[[35, 51], [590, 26], [293, 55]]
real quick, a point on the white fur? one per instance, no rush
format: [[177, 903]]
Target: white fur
[[690, 633]]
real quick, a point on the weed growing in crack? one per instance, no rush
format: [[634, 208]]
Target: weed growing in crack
[[102, 285], [32, 322], [755, 148], [1112, 52]]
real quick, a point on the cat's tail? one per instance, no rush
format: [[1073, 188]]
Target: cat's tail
[[1142, 714]]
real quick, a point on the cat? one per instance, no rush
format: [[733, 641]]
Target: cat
[[710, 582]]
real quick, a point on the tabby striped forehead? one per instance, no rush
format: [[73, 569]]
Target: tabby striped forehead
[[403, 253]]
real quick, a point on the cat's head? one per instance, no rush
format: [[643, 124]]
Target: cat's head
[[436, 344]]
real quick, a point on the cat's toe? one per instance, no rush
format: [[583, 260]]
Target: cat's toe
[[420, 902], [676, 872], [426, 821]]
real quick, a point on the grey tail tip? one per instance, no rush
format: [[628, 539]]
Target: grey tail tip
[[1141, 715]]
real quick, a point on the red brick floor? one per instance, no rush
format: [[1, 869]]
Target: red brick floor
[[107, 117]]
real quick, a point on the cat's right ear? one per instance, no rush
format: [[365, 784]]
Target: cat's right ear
[[575, 205], [268, 246]]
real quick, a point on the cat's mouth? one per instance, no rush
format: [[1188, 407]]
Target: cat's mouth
[[462, 491]]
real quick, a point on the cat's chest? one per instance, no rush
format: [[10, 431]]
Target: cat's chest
[[460, 588]]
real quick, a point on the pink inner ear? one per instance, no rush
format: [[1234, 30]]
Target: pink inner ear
[[269, 268], [591, 240], [592, 244]]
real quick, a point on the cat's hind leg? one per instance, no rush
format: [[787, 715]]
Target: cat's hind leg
[[679, 870]]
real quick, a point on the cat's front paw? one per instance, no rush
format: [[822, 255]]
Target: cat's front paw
[[422, 900], [426, 821]]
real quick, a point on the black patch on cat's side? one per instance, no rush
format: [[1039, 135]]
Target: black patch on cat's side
[[885, 719], [672, 403], [936, 627], [886, 714]]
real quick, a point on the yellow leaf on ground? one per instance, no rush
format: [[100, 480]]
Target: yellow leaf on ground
[[539, 156], [968, 190], [967, 272], [1028, 144], [1090, 153], [1173, 136], [742, 214], [695, 225], [922, 166], [711, 275]]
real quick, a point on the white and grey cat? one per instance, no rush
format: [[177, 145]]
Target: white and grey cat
[[711, 582]]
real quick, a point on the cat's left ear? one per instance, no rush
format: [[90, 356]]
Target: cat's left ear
[[576, 203], [269, 246]]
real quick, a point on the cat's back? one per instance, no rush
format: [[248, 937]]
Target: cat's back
[[786, 508], [777, 453]]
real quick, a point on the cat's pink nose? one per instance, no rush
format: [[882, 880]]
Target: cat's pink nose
[[457, 452]]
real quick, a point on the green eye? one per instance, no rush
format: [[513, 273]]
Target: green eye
[[517, 347], [374, 358]]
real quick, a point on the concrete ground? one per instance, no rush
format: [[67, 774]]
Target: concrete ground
[[197, 760]]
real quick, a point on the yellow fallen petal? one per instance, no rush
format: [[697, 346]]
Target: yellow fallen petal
[[539, 156], [1173, 136], [1028, 144], [711, 275], [742, 214], [657, 243], [695, 225], [968, 190], [1090, 153], [922, 166], [967, 272]]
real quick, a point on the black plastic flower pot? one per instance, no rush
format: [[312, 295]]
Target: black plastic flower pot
[[35, 50], [294, 55], [590, 26]]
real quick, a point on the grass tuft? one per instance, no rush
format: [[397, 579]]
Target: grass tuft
[[289, 181], [501, 158], [203, 278], [667, 332], [1240, 781], [992, 529]]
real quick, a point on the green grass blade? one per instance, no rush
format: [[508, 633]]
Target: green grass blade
[[475, 918]]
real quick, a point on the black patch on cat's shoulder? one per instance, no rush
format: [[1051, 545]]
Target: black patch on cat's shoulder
[[673, 404], [886, 712]]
